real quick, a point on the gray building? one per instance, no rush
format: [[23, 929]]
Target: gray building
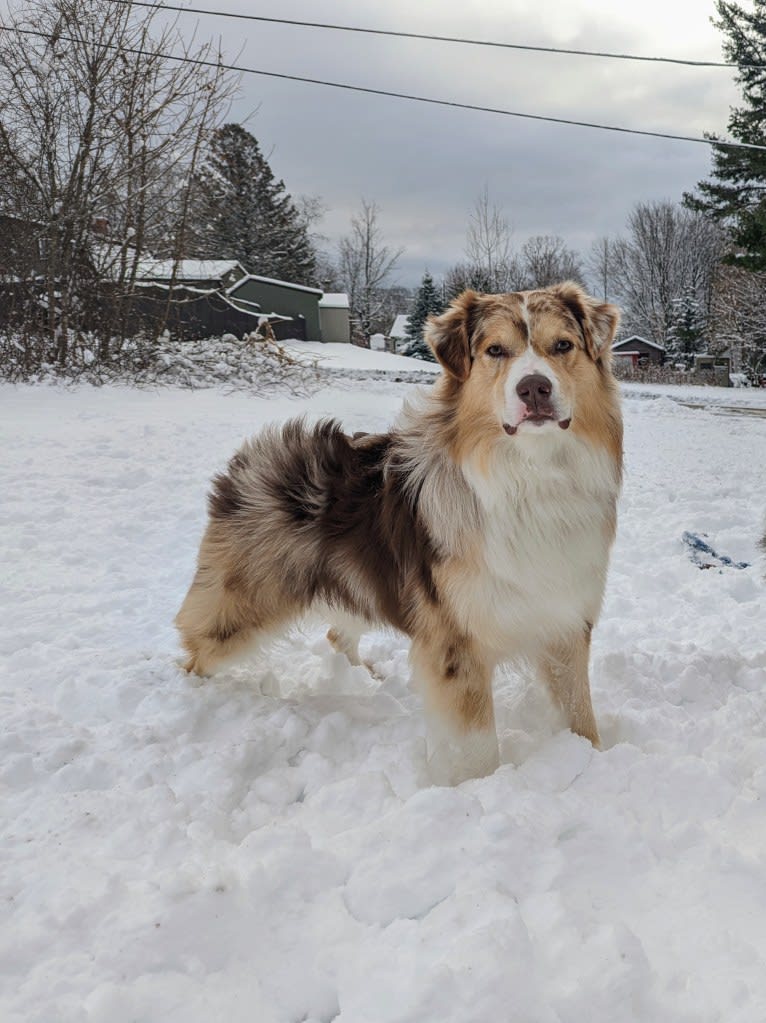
[[267, 296], [334, 317]]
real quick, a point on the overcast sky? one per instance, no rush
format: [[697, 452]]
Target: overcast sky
[[425, 165]]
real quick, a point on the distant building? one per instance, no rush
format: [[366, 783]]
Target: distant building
[[23, 250], [298, 302], [639, 351], [192, 273], [398, 331], [334, 317], [199, 306], [712, 369]]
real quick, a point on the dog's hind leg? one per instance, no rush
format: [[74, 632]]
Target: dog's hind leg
[[220, 621], [344, 635], [565, 670], [214, 625], [456, 680]]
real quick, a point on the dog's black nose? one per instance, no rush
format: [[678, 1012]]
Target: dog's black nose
[[535, 391]]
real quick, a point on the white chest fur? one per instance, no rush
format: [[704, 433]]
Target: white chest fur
[[538, 568]]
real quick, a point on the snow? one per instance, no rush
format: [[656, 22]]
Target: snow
[[699, 394], [334, 300], [266, 846], [335, 355], [635, 337], [187, 269], [399, 329], [270, 280]]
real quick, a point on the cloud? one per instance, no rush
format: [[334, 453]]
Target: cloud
[[425, 165]]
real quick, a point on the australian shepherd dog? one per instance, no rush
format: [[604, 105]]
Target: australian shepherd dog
[[480, 526]]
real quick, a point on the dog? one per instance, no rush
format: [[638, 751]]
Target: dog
[[480, 526]]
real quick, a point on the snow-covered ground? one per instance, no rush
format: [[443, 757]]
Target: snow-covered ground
[[753, 397], [343, 357], [265, 847]]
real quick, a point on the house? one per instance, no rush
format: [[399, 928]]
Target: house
[[639, 351], [200, 306], [398, 331], [204, 274], [334, 317], [212, 286], [297, 301], [712, 369], [23, 248]]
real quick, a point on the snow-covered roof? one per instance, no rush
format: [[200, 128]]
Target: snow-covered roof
[[334, 300], [188, 269], [637, 337], [399, 329], [270, 280], [634, 352], [242, 301]]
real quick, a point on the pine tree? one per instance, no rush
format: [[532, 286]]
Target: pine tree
[[242, 212], [736, 193], [428, 302], [685, 336]]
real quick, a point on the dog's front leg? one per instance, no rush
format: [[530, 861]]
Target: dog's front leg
[[564, 667], [456, 682]]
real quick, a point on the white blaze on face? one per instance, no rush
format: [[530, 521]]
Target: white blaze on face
[[528, 364]]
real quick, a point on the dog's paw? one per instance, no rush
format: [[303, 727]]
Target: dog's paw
[[452, 761]]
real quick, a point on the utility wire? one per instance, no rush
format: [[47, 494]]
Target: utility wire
[[454, 104], [432, 38]]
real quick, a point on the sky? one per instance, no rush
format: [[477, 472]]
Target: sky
[[425, 166]]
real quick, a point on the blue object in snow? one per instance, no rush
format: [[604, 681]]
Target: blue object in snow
[[703, 555]]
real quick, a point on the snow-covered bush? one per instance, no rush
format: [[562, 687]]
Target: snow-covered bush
[[252, 364]]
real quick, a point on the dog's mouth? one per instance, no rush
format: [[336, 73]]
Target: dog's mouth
[[537, 419]]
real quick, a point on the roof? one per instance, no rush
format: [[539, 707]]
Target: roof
[[24, 221], [270, 280], [636, 337], [399, 328], [334, 300], [187, 269]]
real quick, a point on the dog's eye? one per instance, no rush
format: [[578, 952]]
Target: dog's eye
[[563, 346], [496, 351]]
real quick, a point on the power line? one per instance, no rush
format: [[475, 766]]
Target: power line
[[391, 33], [454, 104]]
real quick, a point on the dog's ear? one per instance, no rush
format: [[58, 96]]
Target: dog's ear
[[598, 320], [449, 335]]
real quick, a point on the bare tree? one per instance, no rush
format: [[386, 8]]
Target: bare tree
[[100, 128], [669, 251], [599, 264], [546, 259], [489, 246], [473, 276], [328, 272], [365, 265], [738, 318]]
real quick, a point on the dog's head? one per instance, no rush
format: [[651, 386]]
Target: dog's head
[[529, 362]]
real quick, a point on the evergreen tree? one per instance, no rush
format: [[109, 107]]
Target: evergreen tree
[[686, 334], [428, 302], [736, 194], [242, 212]]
